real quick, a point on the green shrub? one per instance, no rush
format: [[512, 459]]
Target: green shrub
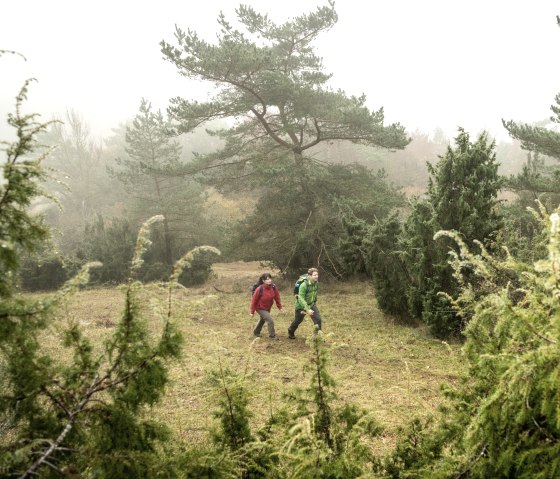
[[199, 272], [46, 271], [503, 420]]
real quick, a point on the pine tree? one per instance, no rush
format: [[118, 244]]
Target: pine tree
[[537, 181], [22, 177], [386, 265], [271, 82], [148, 174]]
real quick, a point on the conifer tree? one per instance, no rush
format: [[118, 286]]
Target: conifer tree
[[386, 265], [271, 80], [462, 196], [22, 177], [503, 420], [537, 181], [272, 84], [406, 263], [522, 233], [148, 176], [82, 182], [80, 411], [325, 438]]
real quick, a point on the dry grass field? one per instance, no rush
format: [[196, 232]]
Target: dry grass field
[[394, 371]]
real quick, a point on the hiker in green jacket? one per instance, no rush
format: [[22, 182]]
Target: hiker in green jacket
[[306, 303]]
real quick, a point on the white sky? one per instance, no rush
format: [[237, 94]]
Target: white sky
[[429, 63]]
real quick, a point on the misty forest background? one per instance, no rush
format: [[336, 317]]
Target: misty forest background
[[458, 236]]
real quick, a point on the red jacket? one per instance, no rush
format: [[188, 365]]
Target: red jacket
[[266, 299]]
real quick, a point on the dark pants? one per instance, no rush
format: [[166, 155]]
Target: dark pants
[[299, 317]]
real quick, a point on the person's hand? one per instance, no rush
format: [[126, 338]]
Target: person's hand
[[252, 314], [310, 312], [281, 310]]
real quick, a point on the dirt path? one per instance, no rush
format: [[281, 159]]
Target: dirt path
[[236, 277]]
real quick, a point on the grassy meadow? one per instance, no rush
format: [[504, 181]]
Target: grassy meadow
[[392, 370]]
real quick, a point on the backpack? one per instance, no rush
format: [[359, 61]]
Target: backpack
[[300, 280], [260, 286]]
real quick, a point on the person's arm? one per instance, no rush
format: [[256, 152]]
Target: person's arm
[[277, 299], [254, 301]]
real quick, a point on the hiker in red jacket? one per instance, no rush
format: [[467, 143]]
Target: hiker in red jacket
[[265, 294]]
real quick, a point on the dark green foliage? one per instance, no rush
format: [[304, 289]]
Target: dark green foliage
[[46, 271], [271, 73], [314, 436], [253, 456], [233, 413], [323, 438], [22, 175], [409, 269], [503, 421], [463, 189], [149, 175], [202, 463], [538, 181], [386, 266], [414, 451], [522, 233], [349, 244], [112, 244], [80, 411], [537, 138], [199, 271], [462, 196], [294, 228], [89, 410]]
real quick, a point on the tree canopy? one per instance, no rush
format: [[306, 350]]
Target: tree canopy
[[538, 138], [270, 80]]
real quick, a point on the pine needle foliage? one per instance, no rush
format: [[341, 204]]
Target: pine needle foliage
[[314, 436], [537, 181], [233, 411], [504, 421], [386, 265], [79, 411], [538, 138], [148, 173], [85, 413], [407, 263], [323, 437], [22, 176]]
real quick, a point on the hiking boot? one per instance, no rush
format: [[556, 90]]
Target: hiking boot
[[258, 335], [274, 338], [291, 335]]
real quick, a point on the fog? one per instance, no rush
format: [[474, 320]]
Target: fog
[[429, 64]]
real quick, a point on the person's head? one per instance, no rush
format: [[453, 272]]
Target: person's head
[[265, 278], [313, 274]]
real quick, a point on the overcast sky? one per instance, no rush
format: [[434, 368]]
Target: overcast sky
[[429, 63]]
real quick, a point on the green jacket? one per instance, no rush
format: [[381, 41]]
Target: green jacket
[[307, 295]]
